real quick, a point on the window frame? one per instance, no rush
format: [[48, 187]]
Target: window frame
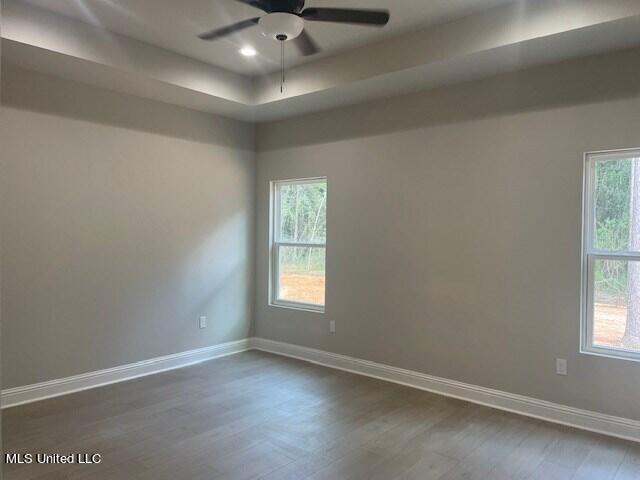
[[590, 254], [275, 244]]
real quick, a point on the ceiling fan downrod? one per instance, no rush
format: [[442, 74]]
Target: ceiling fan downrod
[[282, 39]]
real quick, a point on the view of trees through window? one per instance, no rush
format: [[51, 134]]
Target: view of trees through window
[[616, 230], [301, 241]]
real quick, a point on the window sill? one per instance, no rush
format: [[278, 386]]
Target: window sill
[[611, 353], [298, 306]]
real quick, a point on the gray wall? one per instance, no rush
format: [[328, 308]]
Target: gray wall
[[454, 228], [123, 220]]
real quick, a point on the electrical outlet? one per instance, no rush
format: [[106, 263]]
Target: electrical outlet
[[203, 322], [561, 366], [332, 326]]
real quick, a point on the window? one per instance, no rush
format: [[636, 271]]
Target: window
[[611, 254], [298, 243]]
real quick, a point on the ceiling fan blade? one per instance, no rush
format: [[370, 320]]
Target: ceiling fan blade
[[346, 15], [229, 29], [306, 44], [261, 4]]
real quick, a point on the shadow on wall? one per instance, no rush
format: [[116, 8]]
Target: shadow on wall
[[136, 308], [210, 277], [588, 80], [215, 273], [29, 90], [117, 240]]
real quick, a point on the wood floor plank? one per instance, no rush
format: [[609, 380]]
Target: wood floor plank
[[628, 471], [571, 449], [529, 454], [431, 466], [552, 471], [603, 461]]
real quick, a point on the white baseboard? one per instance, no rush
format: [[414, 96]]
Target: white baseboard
[[530, 407], [12, 397]]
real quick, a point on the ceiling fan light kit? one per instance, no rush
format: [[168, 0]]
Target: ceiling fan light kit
[[281, 26], [285, 21]]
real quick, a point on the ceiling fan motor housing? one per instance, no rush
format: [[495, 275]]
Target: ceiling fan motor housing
[[288, 6], [281, 26]]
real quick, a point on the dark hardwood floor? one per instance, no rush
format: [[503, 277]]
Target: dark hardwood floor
[[256, 415]]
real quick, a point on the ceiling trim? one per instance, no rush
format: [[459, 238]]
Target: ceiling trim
[[499, 27], [504, 38], [29, 25]]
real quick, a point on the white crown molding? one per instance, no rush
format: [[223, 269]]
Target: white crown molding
[[12, 397], [531, 407]]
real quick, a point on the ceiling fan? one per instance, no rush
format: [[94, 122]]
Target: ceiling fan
[[284, 21]]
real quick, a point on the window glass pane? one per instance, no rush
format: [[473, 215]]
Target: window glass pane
[[302, 276], [303, 212], [617, 205], [616, 310]]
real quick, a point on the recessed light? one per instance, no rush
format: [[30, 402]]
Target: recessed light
[[248, 51]]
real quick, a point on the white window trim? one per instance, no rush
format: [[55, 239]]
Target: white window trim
[[275, 244], [590, 254]]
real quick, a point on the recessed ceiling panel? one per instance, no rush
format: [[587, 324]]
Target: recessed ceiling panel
[[175, 24]]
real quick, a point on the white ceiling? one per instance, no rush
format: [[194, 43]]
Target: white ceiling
[[174, 24]]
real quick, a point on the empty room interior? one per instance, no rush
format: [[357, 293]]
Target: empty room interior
[[320, 240]]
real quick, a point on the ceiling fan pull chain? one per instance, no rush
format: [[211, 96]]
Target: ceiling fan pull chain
[[282, 66]]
